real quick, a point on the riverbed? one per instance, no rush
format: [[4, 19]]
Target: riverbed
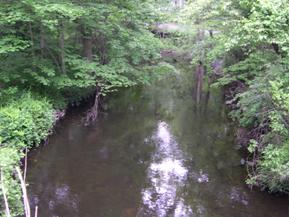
[[155, 152]]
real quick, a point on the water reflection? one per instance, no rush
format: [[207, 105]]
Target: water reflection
[[167, 175], [119, 168], [59, 196], [238, 196]]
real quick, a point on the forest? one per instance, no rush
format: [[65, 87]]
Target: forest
[[57, 55]]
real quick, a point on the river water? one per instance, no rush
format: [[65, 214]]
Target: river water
[[155, 153]]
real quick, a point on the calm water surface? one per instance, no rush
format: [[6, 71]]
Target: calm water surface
[[156, 153]]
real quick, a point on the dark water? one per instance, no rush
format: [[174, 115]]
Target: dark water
[[156, 153]]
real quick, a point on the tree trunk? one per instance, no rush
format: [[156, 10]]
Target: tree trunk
[[61, 46], [87, 43], [276, 48], [211, 33], [87, 47], [87, 50], [200, 71], [42, 41], [24, 193], [7, 210], [31, 38]]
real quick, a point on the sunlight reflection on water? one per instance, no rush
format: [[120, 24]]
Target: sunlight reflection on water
[[167, 175]]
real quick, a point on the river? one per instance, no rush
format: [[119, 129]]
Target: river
[[155, 153]]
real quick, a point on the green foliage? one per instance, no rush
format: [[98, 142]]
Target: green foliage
[[24, 123], [11, 44], [252, 146], [9, 158], [49, 50], [253, 104], [252, 38], [273, 171], [63, 51]]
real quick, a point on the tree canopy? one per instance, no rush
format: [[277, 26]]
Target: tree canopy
[[57, 52], [251, 37]]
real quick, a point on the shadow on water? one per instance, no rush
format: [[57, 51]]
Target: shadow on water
[[157, 153]]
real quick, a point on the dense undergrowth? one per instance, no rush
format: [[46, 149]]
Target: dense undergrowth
[[24, 123], [250, 38], [56, 53]]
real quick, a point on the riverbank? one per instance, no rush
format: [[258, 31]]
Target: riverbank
[[25, 123], [265, 161], [59, 52], [156, 146]]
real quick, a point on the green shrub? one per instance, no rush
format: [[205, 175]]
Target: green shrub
[[9, 158], [23, 123], [273, 170]]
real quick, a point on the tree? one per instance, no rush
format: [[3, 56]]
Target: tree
[[58, 52], [253, 40]]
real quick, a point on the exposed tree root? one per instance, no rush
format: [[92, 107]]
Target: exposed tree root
[[92, 113], [244, 136], [231, 90]]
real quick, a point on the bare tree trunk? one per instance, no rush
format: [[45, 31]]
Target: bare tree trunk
[[36, 211], [25, 164], [87, 47], [24, 192], [61, 46], [7, 210], [31, 38], [42, 41]]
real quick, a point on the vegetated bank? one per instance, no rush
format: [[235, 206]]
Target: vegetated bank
[[251, 38], [54, 54]]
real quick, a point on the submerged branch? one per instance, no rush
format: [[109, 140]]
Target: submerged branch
[[92, 113]]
